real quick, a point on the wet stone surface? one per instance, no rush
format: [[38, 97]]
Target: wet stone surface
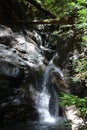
[[19, 59], [28, 81]]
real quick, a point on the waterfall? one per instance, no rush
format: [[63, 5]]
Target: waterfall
[[32, 87], [44, 97]]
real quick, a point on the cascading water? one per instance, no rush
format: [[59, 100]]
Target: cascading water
[[40, 42], [21, 60], [44, 97]]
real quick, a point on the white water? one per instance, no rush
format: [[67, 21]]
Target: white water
[[43, 108], [42, 99], [44, 96], [40, 42]]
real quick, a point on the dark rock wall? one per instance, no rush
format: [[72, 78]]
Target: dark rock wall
[[21, 64]]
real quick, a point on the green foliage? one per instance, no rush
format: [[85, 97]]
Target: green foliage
[[59, 8], [82, 65], [81, 103], [83, 18], [80, 69], [77, 10]]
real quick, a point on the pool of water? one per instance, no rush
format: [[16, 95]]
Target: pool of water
[[59, 125]]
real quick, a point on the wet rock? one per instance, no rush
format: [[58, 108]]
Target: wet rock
[[23, 75], [5, 31], [20, 61], [74, 116]]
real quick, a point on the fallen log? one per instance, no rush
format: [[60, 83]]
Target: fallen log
[[51, 21]]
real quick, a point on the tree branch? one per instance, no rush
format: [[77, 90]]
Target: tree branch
[[38, 6]]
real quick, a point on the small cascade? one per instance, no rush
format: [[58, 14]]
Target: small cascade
[[44, 97], [40, 41]]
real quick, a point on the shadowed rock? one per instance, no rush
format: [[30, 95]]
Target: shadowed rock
[[19, 60]]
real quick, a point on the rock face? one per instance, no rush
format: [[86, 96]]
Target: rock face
[[21, 63], [74, 116], [29, 85]]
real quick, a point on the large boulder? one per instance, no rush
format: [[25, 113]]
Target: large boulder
[[21, 64]]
